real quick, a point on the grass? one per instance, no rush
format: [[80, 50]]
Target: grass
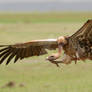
[[44, 17], [37, 74]]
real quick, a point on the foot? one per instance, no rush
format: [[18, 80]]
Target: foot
[[56, 62]]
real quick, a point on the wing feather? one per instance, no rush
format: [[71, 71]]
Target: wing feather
[[11, 56], [27, 52], [83, 30], [81, 41], [3, 53], [4, 56], [24, 50], [16, 58], [23, 53], [4, 49], [17, 55], [9, 59]]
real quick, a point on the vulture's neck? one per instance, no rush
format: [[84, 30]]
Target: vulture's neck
[[57, 55]]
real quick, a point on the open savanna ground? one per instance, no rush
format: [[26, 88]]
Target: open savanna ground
[[35, 74]]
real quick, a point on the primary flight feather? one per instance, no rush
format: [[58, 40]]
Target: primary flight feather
[[76, 47]]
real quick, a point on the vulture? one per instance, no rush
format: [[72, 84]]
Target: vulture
[[75, 47]]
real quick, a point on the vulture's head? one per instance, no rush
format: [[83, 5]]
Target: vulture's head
[[61, 42]]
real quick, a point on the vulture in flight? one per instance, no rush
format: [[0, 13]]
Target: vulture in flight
[[76, 47]]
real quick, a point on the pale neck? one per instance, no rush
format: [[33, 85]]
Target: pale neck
[[59, 51]]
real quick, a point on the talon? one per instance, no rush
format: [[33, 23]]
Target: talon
[[54, 62]]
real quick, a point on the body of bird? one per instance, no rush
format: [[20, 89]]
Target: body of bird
[[76, 47]]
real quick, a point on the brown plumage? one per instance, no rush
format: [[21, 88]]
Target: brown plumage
[[24, 50], [80, 43], [76, 47]]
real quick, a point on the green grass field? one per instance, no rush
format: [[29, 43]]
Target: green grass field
[[35, 73]]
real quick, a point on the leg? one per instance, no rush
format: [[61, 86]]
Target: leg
[[65, 60], [56, 62]]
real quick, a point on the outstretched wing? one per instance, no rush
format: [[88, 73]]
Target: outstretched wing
[[84, 30], [24, 50], [82, 39]]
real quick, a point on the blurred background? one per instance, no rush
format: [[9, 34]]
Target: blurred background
[[26, 20], [45, 5]]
